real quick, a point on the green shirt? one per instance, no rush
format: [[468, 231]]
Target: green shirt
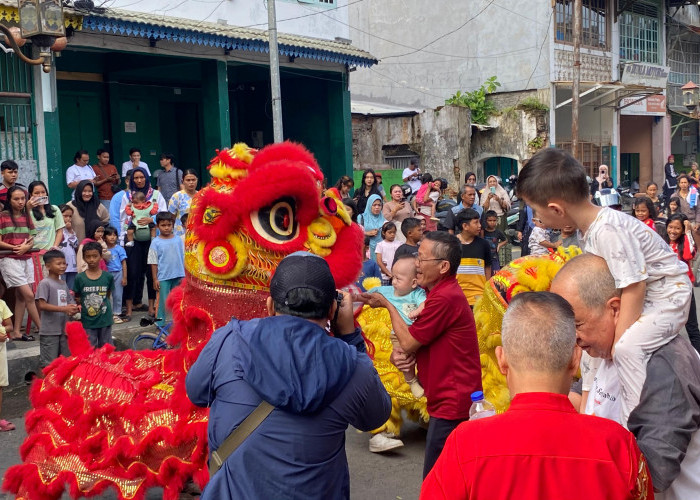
[[46, 229], [96, 307]]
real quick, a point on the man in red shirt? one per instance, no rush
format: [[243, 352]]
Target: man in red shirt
[[106, 176], [442, 341], [541, 447]]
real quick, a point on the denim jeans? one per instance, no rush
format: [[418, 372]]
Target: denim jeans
[[118, 292]]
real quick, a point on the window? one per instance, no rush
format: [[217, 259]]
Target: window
[[593, 23], [684, 59], [639, 34]]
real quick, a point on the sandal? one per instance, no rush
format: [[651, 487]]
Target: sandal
[[26, 338], [140, 308], [116, 319], [6, 426], [126, 318]]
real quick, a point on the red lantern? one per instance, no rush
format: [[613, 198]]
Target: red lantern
[[59, 44], [17, 36]]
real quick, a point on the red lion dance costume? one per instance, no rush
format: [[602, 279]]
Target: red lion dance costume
[[103, 418]]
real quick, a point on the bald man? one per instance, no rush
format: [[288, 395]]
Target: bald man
[[541, 447], [667, 418]]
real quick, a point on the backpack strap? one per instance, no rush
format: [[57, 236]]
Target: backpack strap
[[238, 435]]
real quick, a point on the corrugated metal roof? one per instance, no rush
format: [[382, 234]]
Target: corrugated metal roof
[[130, 23], [144, 25], [376, 109]]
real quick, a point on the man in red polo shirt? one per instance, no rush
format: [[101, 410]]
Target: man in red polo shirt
[[540, 448], [441, 341]]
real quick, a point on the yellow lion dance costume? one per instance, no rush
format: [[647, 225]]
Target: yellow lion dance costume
[[526, 274]]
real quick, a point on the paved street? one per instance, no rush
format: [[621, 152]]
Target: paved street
[[392, 476]]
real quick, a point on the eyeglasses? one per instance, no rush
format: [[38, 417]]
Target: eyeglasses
[[420, 261], [536, 219]]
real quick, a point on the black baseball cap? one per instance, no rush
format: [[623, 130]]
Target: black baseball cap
[[303, 270]]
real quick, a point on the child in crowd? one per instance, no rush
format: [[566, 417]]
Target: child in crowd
[[674, 206], [167, 259], [370, 268], [645, 211], [679, 235], [495, 238], [475, 264], [95, 233], [138, 209], [10, 171], [183, 221], [408, 298], [425, 201], [539, 242], [55, 304], [5, 330], [569, 237], [116, 266], [93, 288], [385, 251], [651, 312], [17, 235], [69, 246], [412, 229]]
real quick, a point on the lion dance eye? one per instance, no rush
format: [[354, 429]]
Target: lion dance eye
[[277, 222]]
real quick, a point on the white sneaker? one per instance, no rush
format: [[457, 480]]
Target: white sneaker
[[379, 443]]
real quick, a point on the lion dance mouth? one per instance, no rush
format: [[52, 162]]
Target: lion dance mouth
[[103, 418]]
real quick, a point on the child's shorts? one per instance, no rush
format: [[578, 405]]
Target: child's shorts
[[4, 376], [17, 272]]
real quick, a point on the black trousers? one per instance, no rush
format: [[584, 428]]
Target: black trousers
[[691, 326], [136, 271], [438, 431]]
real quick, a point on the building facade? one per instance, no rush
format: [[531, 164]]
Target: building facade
[[179, 78], [634, 54]]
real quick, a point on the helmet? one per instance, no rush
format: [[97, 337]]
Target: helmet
[[607, 197], [407, 190]]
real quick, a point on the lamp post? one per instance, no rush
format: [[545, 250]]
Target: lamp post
[[690, 97], [42, 22]]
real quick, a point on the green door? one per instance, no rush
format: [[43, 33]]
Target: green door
[[82, 127], [629, 168], [180, 134], [501, 166], [140, 128]]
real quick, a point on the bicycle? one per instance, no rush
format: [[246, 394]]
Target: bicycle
[[144, 341]]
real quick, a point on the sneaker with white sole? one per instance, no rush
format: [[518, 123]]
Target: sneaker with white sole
[[379, 443]]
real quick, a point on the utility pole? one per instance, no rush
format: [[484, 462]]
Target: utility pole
[[576, 87], [275, 72]]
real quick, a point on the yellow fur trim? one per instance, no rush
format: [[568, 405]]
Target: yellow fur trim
[[371, 282]]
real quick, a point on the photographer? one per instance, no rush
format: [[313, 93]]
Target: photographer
[[411, 175], [397, 210], [315, 385]]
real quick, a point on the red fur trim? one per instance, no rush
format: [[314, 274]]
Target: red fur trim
[[78, 342], [227, 221], [345, 260], [287, 152]]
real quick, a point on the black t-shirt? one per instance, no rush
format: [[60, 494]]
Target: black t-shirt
[[405, 249], [477, 249]]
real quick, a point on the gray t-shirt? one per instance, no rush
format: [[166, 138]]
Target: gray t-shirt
[[54, 292], [168, 182]]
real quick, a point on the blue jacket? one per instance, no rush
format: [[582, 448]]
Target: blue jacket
[[318, 385]]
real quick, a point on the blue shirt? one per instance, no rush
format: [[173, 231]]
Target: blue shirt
[[114, 205], [118, 256], [457, 209], [169, 255], [404, 303]]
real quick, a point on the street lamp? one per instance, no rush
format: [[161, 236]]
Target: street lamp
[[690, 96], [42, 21]]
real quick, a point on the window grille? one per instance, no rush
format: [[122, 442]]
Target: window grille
[[639, 34], [593, 23], [16, 114]]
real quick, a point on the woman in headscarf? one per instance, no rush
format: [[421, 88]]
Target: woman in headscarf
[[86, 208], [137, 251], [372, 222], [496, 198], [367, 188], [602, 181]]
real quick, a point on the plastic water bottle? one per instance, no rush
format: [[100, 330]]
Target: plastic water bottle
[[480, 407]]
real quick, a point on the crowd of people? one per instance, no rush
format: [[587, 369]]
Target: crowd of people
[[89, 257], [613, 315]]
